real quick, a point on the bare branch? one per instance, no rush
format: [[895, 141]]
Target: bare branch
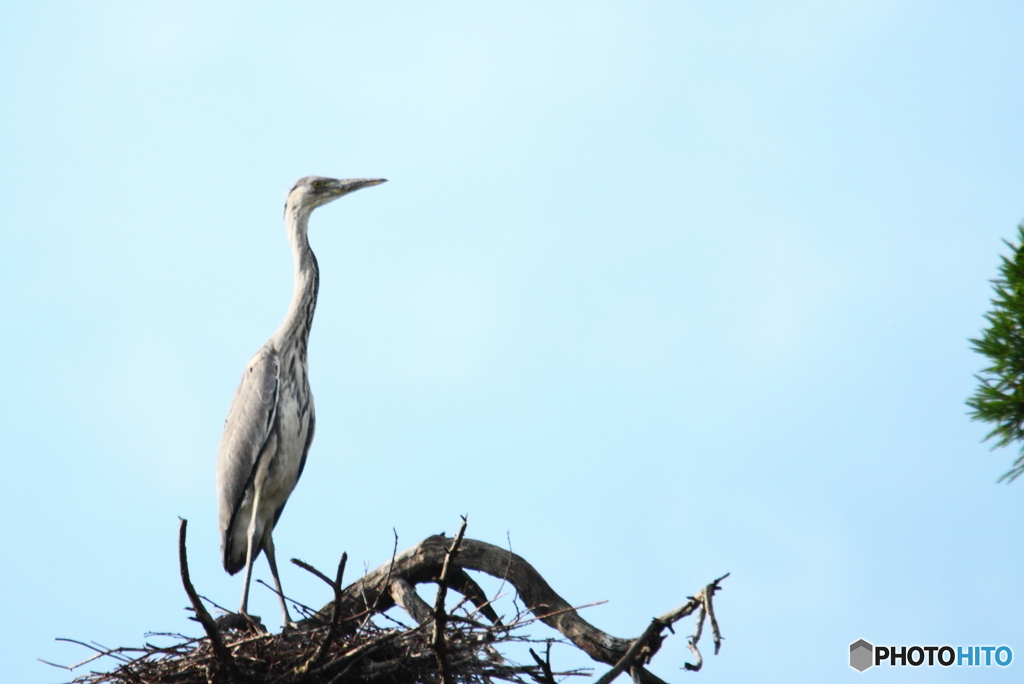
[[547, 676], [313, 571], [635, 650], [223, 655], [440, 617], [325, 646]]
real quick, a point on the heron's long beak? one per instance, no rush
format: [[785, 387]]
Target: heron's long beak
[[344, 187]]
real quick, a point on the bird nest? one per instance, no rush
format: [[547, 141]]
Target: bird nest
[[354, 639], [373, 653]]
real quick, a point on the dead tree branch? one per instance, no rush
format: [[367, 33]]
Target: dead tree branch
[[332, 632], [424, 562], [209, 626], [439, 614]]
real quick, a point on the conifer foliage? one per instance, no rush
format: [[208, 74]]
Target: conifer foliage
[[999, 398]]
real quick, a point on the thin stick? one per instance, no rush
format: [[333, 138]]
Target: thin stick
[[384, 587], [310, 569], [76, 665], [293, 601], [91, 647], [212, 603], [716, 635], [461, 582], [553, 613], [545, 666], [440, 617], [332, 631], [223, 654], [490, 602], [691, 643]]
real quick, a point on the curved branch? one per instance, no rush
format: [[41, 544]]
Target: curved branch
[[423, 563]]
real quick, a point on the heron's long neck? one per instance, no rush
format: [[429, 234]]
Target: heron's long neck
[[299, 319]]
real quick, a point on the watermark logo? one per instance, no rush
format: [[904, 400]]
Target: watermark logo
[[863, 655]]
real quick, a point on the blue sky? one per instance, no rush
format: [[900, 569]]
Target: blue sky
[[656, 291]]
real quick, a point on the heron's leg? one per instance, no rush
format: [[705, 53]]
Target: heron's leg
[[250, 554], [268, 548]]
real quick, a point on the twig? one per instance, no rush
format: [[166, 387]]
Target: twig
[[212, 603], [91, 647], [490, 602], [376, 599], [545, 666], [709, 592], [295, 604], [310, 569], [440, 617], [223, 655], [691, 643], [332, 631], [523, 623], [461, 582], [99, 654], [508, 566]]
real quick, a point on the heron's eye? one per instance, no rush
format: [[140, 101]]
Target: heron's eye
[[318, 184]]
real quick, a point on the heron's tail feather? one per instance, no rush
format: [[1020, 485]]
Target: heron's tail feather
[[233, 565], [234, 550]]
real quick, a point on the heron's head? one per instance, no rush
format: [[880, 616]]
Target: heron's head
[[314, 191]]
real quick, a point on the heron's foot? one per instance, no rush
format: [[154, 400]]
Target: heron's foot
[[242, 622]]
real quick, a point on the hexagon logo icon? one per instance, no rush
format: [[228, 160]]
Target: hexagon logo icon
[[861, 655]]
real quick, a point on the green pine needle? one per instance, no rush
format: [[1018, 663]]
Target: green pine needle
[[999, 398]]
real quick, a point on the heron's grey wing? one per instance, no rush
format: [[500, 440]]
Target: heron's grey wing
[[248, 427], [305, 452]]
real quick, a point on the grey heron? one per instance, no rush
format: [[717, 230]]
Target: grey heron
[[270, 424]]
